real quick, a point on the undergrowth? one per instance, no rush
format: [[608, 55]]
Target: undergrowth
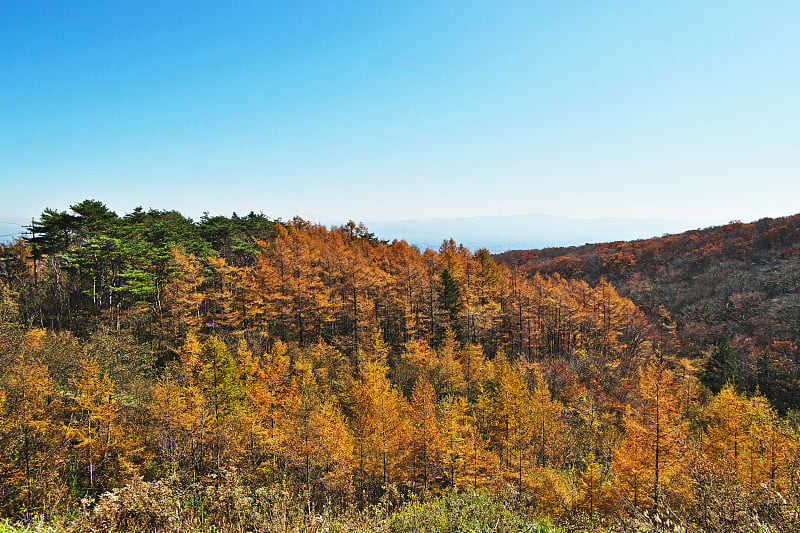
[[157, 506]]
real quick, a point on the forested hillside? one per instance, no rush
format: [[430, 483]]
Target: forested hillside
[[226, 366], [733, 293]]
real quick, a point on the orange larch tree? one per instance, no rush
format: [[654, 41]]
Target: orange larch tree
[[648, 465], [380, 426], [425, 450]]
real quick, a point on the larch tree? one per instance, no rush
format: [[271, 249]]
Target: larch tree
[[648, 463], [94, 426], [473, 367], [727, 431], [512, 418], [379, 419], [182, 299], [454, 427], [32, 437], [182, 415], [547, 425], [767, 448], [331, 448], [483, 465], [269, 397], [593, 497], [426, 441], [447, 375]]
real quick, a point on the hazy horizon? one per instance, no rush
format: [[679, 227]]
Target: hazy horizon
[[417, 110], [496, 233]]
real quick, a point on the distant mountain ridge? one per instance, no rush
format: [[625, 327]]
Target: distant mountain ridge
[[508, 232]]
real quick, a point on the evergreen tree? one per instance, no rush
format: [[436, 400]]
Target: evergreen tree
[[450, 300], [721, 367]]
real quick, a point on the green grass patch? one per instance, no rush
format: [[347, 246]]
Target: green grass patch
[[469, 512], [10, 527]]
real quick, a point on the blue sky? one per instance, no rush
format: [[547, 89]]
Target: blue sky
[[402, 110]]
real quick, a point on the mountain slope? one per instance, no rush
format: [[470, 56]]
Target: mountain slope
[[737, 280]]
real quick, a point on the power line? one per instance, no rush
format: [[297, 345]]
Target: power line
[[11, 223]]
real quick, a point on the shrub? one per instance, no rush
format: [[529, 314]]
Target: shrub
[[138, 506]]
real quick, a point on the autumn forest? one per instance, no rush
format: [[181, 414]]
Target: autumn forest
[[251, 374]]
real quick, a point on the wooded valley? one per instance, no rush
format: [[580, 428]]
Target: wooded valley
[[161, 373]]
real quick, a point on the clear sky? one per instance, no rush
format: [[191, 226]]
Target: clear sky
[[400, 110]]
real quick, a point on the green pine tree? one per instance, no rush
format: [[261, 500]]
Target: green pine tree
[[450, 300], [722, 366]]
